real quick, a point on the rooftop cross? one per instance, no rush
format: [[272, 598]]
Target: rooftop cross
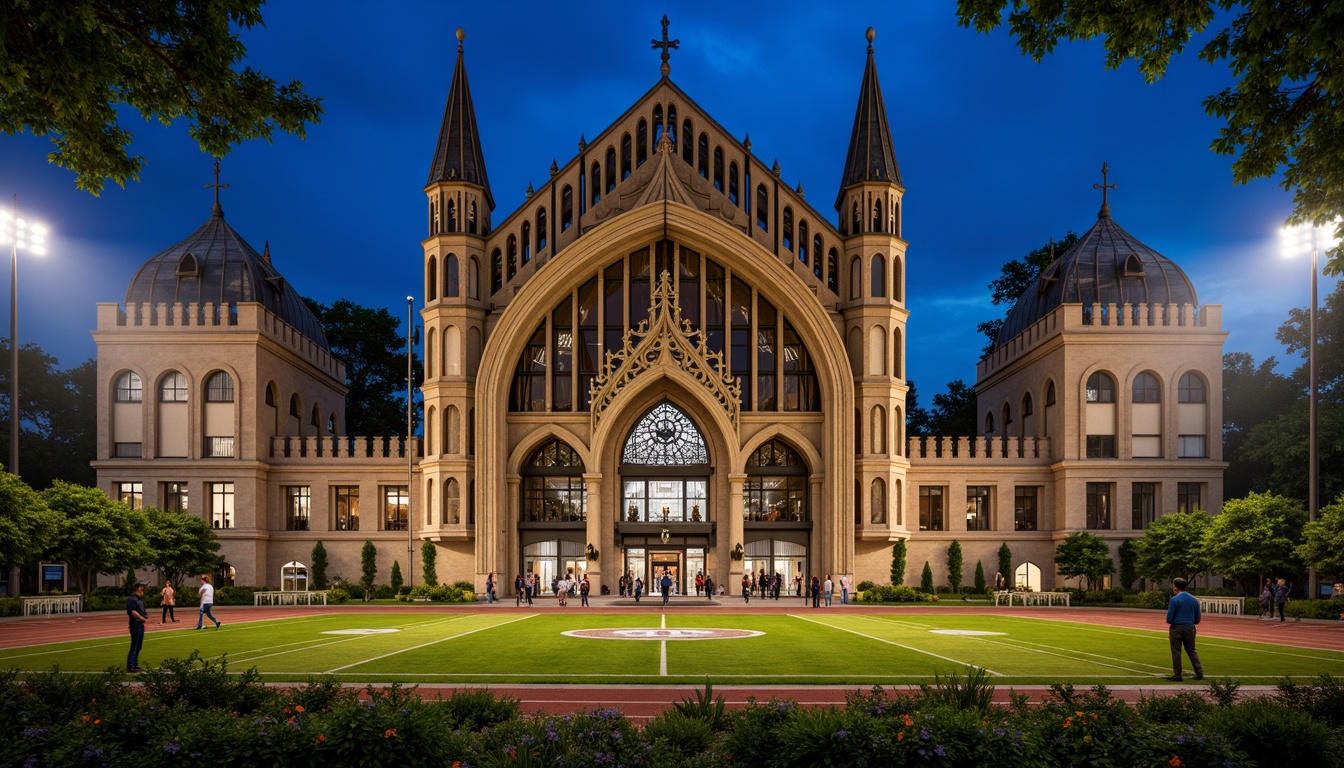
[[217, 186], [1103, 186], [666, 45]]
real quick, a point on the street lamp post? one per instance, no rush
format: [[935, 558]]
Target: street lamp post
[[31, 237], [1297, 240]]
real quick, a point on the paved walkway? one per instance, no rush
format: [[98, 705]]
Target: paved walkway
[[644, 701]]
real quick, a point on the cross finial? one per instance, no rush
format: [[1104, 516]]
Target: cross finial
[[217, 186], [666, 45], [1105, 211]]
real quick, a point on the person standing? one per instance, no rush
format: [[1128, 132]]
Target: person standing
[[169, 602], [746, 588], [844, 590], [699, 583], [518, 585], [815, 590], [490, 589], [666, 585], [829, 589], [639, 588], [584, 587], [207, 593], [1281, 590], [1267, 599], [1183, 613], [138, 616], [709, 587]]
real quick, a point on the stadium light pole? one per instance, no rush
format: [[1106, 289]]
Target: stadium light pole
[[1296, 241], [31, 237]]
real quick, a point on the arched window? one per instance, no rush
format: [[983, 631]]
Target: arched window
[[877, 216], [775, 490], [856, 220], [496, 271], [452, 215], [665, 437], [896, 279], [672, 125], [1192, 417], [1007, 419], [625, 156], [1145, 417], [541, 230], [473, 279], [878, 430], [788, 229], [718, 168], [553, 487], [641, 142], [218, 416], [471, 218], [732, 183], [1100, 388], [129, 389], [172, 417], [703, 156], [1146, 389], [688, 142], [1191, 389], [832, 269], [316, 418], [595, 185], [219, 388], [658, 125], [511, 246], [989, 423], [855, 279], [762, 207], [818, 262], [877, 502], [897, 354], [879, 286], [566, 208], [802, 241], [294, 405], [432, 279], [450, 276], [611, 173], [452, 503], [1100, 416], [525, 236]]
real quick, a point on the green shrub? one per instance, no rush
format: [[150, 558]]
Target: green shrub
[[688, 736], [238, 595], [864, 586], [1322, 699], [754, 732], [1150, 599], [337, 595], [322, 694], [477, 708], [703, 705], [974, 692], [1314, 609], [885, 594], [1177, 708], [384, 592], [10, 606], [1274, 735], [200, 683]]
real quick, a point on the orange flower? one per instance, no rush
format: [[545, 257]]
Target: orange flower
[[1068, 721], [900, 735], [321, 738], [1087, 739], [97, 722], [299, 709], [390, 733], [85, 718], [457, 764], [1175, 761]]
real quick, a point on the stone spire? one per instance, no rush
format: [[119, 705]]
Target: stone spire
[[872, 156], [457, 156]]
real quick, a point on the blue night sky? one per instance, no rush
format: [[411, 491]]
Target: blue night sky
[[998, 154]]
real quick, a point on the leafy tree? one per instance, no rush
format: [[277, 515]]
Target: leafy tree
[[395, 579], [70, 68], [926, 578], [1086, 555], [1283, 113], [898, 563], [1295, 336], [96, 535], [1173, 545], [1253, 394], [58, 410], [1015, 278], [979, 577], [368, 561], [1323, 540], [1005, 565], [954, 565], [428, 554], [917, 418], [317, 567], [1129, 563], [180, 544], [954, 411], [1282, 446], [27, 527], [1255, 536], [372, 344]]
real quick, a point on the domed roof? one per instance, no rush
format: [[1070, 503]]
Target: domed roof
[[1106, 266], [214, 265]]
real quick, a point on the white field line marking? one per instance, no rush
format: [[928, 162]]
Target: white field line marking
[[432, 642], [662, 652], [898, 645], [1021, 645], [324, 642]]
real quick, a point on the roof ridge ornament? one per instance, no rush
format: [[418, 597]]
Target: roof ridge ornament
[[1105, 212], [217, 209], [666, 45]]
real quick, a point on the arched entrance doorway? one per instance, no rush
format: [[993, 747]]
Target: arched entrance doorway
[[665, 524]]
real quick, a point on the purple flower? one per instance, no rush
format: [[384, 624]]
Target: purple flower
[[615, 735], [30, 763], [90, 754], [924, 734], [939, 751], [172, 748], [842, 733], [29, 733]]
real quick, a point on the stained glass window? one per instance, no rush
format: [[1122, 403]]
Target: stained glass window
[[665, 437]]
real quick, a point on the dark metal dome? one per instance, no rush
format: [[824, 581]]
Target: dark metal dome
[[1106, 266], [214, 265]]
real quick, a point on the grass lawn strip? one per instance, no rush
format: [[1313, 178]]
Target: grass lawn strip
[[432, 642], [662, 651], [323, 642], [958, 662]]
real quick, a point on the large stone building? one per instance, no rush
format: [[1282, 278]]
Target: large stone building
[[664, 359]]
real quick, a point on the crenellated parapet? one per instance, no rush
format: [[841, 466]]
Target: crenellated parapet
[[196, 316], [1121, 318]]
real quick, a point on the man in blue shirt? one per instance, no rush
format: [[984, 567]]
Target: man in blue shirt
[[1183, 614], [138, 617]]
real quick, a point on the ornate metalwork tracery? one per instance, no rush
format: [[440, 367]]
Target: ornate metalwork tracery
[[665, 437]]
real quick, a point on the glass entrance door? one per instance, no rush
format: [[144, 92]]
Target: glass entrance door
[[664, 562]]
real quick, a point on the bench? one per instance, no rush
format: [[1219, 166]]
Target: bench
[[289, 598], [1228, 606], [46, 605], [1009, 597]]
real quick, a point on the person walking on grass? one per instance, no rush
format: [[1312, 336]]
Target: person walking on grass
[[169, 602], [138, 616], [207, 593], [1183, 614]]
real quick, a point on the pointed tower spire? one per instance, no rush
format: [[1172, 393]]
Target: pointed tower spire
[[872, 156], [457, 156]]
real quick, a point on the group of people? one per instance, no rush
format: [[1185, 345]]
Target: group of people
[[137, 615], [1274, 596]]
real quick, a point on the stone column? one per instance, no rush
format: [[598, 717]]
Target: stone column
[[599, 534], [735, 535]]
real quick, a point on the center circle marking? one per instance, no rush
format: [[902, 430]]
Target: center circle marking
[[654, 633]]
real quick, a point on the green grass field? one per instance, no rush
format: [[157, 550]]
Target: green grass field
[[830, 649]]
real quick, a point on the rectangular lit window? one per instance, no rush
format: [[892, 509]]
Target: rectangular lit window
[[219, 447], [347, 507], [396, 507], [1025, 505], [175, 497], [1099, 506], [977, 508], [930, 508], [1189, 497], [298, 504], [1144, 505], [221, 504], [131, 494]]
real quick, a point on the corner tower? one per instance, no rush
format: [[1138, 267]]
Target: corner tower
[[460, 205], [873, 302]]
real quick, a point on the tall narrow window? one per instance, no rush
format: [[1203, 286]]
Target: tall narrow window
[[767, 341], [611, 170], [879, 286], [529, 378], [715, 302], [496, 271], [450, 276], [396, 507], [1144, 505], [740, 309], [562, 335], [625, 157], [718, 168], [978, 508], [855, 278], [762, 207], [1189, 497], [1099, 506], [541, 230], [702, 166], [595, 187], [586, 349], [526, 237], [613, 303], [787, 230], [687, 141], [298, 505], [219, 416], [832, 269], [1100, 416], [1025, 501], [221, 504], [641, 142], [346, 499], [802, 241], [1146, 417], [930, 508], [566, 208], [800, 379], [732, 183], [129, 388]]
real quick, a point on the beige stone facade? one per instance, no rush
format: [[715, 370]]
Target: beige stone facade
[[667, 359]]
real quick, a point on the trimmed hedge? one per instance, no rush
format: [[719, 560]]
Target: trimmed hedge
[[887, 594]]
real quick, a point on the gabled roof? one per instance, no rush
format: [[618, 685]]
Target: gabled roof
[[872, 156], [458, 156]]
